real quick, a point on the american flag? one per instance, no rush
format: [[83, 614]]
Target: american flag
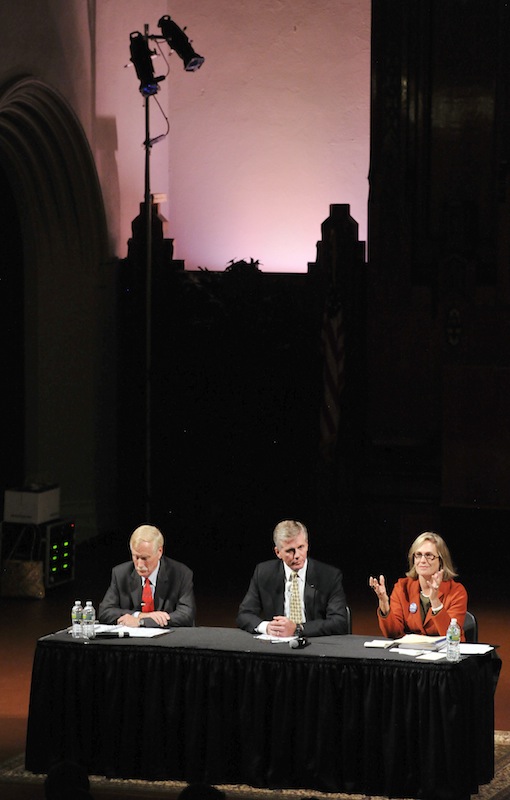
[[333, 355]]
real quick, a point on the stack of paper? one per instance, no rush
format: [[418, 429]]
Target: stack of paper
[[417, 641]]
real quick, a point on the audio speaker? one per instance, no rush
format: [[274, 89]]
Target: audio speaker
[[59, 551], [53, 543]]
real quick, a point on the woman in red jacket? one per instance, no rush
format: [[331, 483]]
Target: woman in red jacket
[[427, 598]]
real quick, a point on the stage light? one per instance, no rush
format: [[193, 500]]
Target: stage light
[[178, 41], [141, 58]]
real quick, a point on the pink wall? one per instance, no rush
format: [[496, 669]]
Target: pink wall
[[263, 138]]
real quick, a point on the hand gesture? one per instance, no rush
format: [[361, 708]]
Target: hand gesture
[[433, 583], [379, 587]]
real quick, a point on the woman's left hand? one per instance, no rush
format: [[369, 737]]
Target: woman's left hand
[[434, 582]]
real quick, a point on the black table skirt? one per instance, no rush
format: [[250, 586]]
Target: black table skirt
[[216, 705]]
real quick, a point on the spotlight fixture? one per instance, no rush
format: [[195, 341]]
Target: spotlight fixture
[[149, 85], [141, 58], [178, 41]]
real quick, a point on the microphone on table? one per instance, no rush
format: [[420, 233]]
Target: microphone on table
[[299, 643]]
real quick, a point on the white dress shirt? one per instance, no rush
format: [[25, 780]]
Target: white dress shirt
[[262, 627]]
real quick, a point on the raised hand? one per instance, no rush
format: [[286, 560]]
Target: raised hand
[[379, 587], [433, 583]]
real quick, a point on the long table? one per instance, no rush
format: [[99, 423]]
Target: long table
[[220, 706]]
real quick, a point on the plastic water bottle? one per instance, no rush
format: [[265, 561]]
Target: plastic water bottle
[[88, 621], [76, 615], [453, 641]]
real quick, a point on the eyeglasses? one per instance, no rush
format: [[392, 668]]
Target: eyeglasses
[[428, 556]]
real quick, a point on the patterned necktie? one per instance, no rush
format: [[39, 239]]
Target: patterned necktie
[[296, 614], [147, 599]]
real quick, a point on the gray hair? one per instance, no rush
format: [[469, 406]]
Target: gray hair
[[288, 529], [147, 533]]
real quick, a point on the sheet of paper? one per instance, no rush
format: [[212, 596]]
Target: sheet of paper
[[431, 656], [466, 649], [275, 640], [145, 633], [472, 649], [125, 630], [406, 651], [383, 643], [417, 640], [99, 628]]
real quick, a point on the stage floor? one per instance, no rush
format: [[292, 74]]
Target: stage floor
[[23, 621]]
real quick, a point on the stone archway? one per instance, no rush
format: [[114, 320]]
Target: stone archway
[[47, 160]]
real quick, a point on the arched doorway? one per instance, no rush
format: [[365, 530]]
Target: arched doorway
[[55, 205], [12, 424]]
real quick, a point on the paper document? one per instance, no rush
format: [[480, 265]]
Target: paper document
[[274, 639], [382, 643], [472, 649], [411, 641], [124, 631], [406, 651], [431, 656], [416, 641], [413, 644]]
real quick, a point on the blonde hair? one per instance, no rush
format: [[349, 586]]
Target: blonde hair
[[147, 533], [288, 529], [445, 559]]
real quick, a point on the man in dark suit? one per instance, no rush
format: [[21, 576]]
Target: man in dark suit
[[151, 590], [267, 607]]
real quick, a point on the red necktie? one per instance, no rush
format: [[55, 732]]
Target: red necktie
[[147, 599]]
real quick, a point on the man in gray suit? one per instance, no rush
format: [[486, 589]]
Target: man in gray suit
[[165, 600], [266, 607]]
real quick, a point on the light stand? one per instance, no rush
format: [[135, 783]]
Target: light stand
[[141, 57], [148, 310]]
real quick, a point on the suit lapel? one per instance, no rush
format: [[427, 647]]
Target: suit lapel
[[310, 590], [161, 589], [415, 597], [415, 592], [135, 590], [279, 589]]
